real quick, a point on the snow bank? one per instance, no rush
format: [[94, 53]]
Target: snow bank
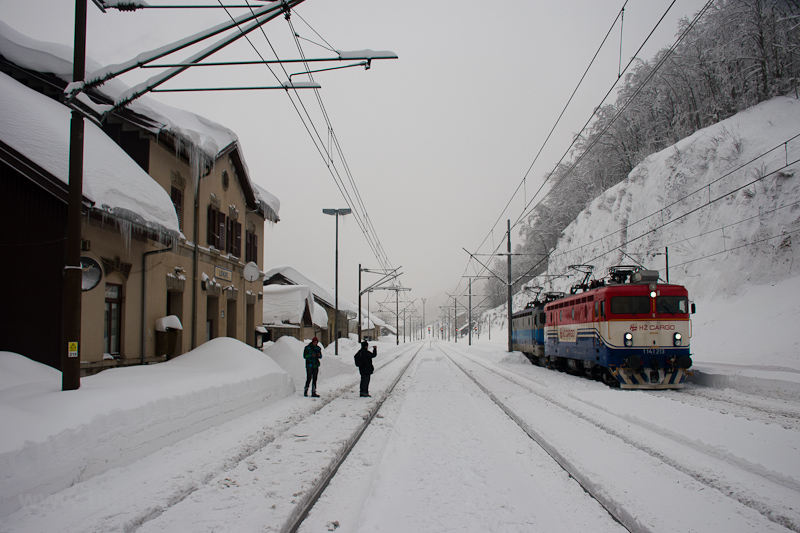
[[756, 327], [19, 370], [120, 415]]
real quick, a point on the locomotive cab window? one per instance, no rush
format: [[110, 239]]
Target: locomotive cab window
[[630, 305], [672, 304]]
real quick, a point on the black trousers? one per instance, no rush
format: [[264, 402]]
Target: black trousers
[[311, 377], [365, 382]]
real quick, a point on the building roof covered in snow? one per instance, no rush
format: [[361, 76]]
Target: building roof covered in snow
[[37, 127], [323, 293], [210, 138], [289, 303]]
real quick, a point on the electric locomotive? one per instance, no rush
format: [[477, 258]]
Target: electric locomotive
[[527, 331], [629, 331]]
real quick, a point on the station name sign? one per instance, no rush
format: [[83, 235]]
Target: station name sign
[[223, 274]]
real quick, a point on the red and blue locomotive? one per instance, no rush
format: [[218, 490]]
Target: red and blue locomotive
[[629, 331]]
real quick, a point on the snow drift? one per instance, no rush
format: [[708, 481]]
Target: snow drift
[[122, 414]]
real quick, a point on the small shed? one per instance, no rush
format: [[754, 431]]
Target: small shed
[[291, 310]]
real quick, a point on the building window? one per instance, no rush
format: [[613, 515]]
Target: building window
[[251, 247], [216, 228], [177, 201], [113, 319], [224, 233]]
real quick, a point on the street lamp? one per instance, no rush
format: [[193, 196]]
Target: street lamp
[[337, 213]]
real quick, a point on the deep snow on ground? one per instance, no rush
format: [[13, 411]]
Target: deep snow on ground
[[438, 426]]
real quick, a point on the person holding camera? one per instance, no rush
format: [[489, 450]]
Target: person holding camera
[[363, 360]]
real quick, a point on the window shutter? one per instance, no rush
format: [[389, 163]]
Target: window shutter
[[221, 229], [247, 247], [211, 222], [237, 250], [254, 239], [177, 201]]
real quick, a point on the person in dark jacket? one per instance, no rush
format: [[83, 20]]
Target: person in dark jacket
[[312, 353], [363, 359]]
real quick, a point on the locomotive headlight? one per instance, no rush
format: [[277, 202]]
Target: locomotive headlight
[[629, 339], [677, 339]]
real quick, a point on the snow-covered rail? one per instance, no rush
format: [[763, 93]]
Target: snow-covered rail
[[441, 457], [617, 458], [617, 513], [312, 496]]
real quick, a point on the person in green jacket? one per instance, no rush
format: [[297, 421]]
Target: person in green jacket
[[312, 353]]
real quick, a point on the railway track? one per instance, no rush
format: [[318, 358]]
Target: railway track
[[536, 466], [621, 516], [313, 495], [752, 486]]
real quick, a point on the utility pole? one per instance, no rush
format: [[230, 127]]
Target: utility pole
[[666, 253], [469, 319], [73, 272], [510, 310], [423, 318], [455, 318]]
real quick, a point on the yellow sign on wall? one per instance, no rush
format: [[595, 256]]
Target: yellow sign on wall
[[72, 349]]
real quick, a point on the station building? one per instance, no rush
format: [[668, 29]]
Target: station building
[[171, 218]]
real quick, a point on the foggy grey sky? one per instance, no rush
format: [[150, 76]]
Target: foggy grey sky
[[437, 141]]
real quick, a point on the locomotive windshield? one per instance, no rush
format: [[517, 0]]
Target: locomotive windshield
[[672, 304], [630, 305]]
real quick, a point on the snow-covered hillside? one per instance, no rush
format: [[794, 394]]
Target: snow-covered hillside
[[725, 202]]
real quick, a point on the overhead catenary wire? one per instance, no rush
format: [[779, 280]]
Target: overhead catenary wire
[[619, 112], [701, 188], [624, 244], [359, 210], [555, 125], [620, 72], [655, 69], [367, 228]]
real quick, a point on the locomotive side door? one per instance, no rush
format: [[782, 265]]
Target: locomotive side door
[[600, 317]]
